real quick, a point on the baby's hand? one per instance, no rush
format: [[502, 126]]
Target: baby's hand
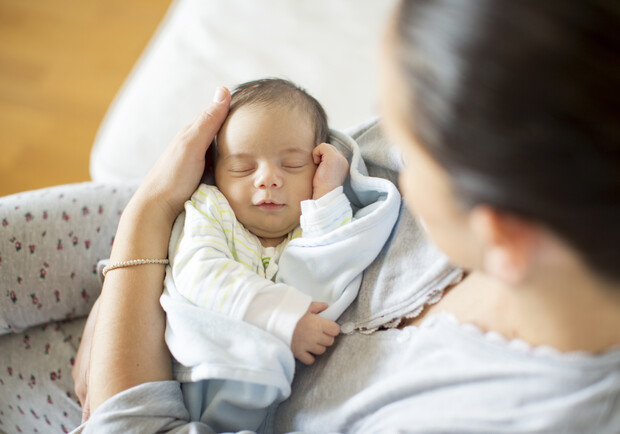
[[313, 334], [332, 171]]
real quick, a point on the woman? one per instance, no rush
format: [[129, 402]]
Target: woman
[[505, 113]]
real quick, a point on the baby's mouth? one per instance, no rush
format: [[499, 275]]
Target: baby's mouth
[[269, 205]]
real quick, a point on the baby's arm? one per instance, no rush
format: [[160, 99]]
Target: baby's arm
[[313, 334], [332, 171]]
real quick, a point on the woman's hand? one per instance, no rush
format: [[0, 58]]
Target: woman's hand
[[177, 172], [82, 360]]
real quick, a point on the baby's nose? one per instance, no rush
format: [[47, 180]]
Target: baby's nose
[[268, 178]]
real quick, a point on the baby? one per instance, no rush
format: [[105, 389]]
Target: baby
[[273, 171]]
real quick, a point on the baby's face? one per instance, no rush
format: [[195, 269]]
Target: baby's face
[[264, 167]]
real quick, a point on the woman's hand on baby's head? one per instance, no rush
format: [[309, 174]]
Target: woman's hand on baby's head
[[313, 334], [178, 171], [332, 171]]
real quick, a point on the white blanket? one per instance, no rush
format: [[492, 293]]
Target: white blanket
[[211, 346]]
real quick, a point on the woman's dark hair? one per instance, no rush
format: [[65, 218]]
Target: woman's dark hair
[[520, 102], [270, 91]]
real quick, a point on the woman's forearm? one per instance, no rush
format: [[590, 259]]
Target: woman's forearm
[[128, 348]]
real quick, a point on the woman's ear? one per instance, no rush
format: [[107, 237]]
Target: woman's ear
[[508, 243]]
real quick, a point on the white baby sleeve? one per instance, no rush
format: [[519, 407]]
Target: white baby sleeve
[[321, 216], [277, 309]]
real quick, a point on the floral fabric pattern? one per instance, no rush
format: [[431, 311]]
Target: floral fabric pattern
[[36, 388], [50, 243]]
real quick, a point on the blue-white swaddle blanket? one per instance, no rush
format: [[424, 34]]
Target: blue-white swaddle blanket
[[210, 346]]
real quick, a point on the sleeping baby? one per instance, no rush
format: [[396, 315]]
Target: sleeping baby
[[233, 322]]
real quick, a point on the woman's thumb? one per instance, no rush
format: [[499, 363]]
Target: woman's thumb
[[209, 121]]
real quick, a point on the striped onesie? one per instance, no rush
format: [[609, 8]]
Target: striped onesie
[[220, 266]]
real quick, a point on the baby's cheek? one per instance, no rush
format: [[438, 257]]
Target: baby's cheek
[[310, 182], [238, 204]]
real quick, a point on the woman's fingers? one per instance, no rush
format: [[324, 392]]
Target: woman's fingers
[[208, 122], [85, 410], [81, 366], [178, 171]]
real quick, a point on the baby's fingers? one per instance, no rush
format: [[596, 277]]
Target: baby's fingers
[[331, 328], [326, 340], [317, 349], [317, 307], [325, 151], [319, 151], [306, 358]]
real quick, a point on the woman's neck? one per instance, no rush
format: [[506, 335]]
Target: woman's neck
[[570, 311], [575, 313]]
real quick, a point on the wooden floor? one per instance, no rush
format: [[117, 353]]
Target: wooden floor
[[61, 63]]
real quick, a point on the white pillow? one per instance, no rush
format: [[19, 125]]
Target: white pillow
[[328, 47]]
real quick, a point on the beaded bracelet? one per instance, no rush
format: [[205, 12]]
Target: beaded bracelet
[[133, 262]]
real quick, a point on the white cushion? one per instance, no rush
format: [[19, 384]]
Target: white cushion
[[328, 47]]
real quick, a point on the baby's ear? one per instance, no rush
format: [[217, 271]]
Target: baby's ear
[[208, 176]]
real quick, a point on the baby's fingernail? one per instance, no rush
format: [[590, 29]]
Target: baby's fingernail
[[220, 94]]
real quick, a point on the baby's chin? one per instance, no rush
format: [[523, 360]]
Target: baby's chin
[[270, 241], [271, 238]]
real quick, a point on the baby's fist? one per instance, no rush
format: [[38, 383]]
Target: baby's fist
[[332, 171], [313, 334]]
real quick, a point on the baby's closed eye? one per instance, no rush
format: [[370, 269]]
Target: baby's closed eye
[[241, 168], [294, 164]]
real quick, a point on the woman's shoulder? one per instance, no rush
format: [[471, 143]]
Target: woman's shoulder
[[448, 376], [461, 378], [507, 349]]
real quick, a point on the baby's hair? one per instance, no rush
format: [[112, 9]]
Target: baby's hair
[[271, 91]]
